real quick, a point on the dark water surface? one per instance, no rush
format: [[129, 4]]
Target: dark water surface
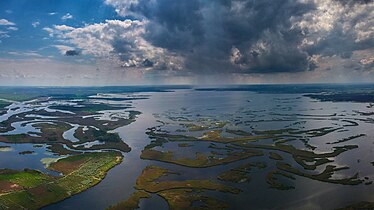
[[245, 110]]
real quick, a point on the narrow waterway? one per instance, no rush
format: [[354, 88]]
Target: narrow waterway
[[263, 112], [119, 183]]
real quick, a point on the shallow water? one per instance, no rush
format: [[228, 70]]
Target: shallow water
[[249, 111], [12, 159]]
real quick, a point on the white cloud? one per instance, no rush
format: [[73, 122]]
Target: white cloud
[[5, 22], [8, 11], [67, 16], [119, 41], [52, 13], [63, 28], [4, 34], [49, 30], [124, 42], [27, 53], [12, 28], [122, 7], [354, 20], [35, 24], [236, 57], [367, 61], [96, 39]]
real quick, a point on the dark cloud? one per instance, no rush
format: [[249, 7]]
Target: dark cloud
[[147, 63], [351, 31], [205, 32], [255, 36], [352, 2], [339, 43], [175, 25], [72, 53]]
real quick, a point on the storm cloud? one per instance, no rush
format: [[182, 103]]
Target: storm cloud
[[228, 36]]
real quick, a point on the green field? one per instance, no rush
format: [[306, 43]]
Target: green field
[[30, 189]]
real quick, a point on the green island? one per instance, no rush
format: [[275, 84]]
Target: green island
[[241, 148], [84, 160], [5, 148], [185, 199], [275, 156], [241, 173], [132, 202], [181, 142], [65, 111], [347, 139], [52, 134], [147, 181], [184, 145], [194, 127], [28, 152], [272, 179], [178, 194], [201, 160], [227, 145], [30, 189], [307, 159], [325, 176]]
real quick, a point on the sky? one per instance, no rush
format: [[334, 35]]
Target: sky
[[204, 42]]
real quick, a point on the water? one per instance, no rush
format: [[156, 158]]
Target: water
[[248, 111], [12, 159]]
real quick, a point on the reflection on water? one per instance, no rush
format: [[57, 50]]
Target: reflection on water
[[246, 111], [12, 159], [69, 134]]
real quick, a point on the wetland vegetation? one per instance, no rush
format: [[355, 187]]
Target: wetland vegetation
[[30, 189], [288, 151], [78, 129], [178, 194], [195, 157]]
